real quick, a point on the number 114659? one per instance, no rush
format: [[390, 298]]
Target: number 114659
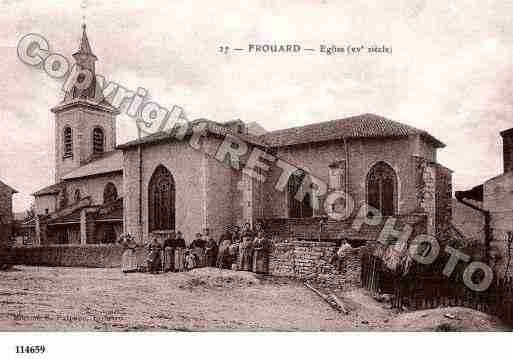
[[30, 349]]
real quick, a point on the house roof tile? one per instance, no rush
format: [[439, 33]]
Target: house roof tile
[[361, 126], [49, 190]]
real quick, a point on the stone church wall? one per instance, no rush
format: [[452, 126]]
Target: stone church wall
[[363, 154], [434, 196], [186, 165], [94, 187]]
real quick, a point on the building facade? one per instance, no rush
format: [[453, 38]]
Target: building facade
[[494, 199], [207, 174], [376, 161], [6, 214]]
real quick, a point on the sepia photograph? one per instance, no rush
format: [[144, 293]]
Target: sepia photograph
[[269, 166]]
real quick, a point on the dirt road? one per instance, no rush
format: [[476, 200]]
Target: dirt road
[[55, 299], [43, 298]]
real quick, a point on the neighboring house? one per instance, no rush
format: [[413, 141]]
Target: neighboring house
[[468, 221], [6, 214], [495, 198], [159, 183]]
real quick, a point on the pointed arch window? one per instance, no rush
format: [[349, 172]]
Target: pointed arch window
[[110, 193], [161, 200], [297, 208], [382, 188], [98, 141], [78, 195], [68, 142]]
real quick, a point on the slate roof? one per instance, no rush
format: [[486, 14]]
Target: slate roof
[[213, 127], [110, 162], [73, 217], [85, 47], [115, 215], [52, 189], [98, 103], [476, 194], [361, 126]]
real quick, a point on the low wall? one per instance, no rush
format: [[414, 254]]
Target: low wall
[[101, 256], [311, 260], [297, 259]]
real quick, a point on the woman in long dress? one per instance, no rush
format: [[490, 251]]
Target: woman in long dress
[[223, 254], [246, 254], [129, 258], [261, 254], [180, 252], [168, 254], [234, 255], [247, 231]]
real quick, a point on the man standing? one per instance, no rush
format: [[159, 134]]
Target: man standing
[[342, 251], [153, 258]]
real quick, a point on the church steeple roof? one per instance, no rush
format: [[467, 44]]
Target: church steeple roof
[[92, 95], [85, 60], [85, 47]]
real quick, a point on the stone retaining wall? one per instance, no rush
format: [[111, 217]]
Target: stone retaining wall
[[296, 259], [100, 256], [311, 260]]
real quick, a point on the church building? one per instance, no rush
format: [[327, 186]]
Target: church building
[[163, 182]]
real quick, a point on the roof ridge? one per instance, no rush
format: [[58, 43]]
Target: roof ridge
[[367, 125], [367, 114]]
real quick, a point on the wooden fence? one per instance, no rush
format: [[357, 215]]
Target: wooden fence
[[426, 291]]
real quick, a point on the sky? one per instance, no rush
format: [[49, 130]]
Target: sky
[[450, 71]]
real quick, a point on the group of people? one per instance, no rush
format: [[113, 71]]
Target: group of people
[[238, 248]]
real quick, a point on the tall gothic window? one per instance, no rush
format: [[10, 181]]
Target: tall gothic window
[[161, 200], [382, 188], [110, 193], [78, 196], [98, 141], [298, 209], [68, 142]]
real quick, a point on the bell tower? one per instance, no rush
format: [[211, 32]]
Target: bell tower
[[85, 123]]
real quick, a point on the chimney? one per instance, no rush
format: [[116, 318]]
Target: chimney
[[507, 149]]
